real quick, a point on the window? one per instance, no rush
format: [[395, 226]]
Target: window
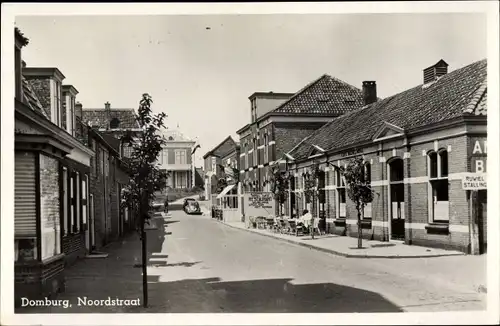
[[101, 161], [438, 186], [367, 213], [94, 159], [214, 165], [255, 152], [114, 123], [77, 206], [56, 115], [71, 224], [49, 207], [65, 200], [246, 157], [181, 180], [73, 116], [180, 157], [85, 183], [341, 194], [266, 149]]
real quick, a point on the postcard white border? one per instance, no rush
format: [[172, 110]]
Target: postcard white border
[[9, 11]]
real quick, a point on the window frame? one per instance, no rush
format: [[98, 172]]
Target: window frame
[[435, 182]]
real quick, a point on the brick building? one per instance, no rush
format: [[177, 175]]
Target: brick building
[[108, 176], [417, 145], [279, 121], [51, 164]]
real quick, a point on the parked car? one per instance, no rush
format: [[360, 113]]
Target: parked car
[[191, 206]]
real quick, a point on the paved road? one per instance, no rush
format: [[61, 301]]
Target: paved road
[[200, 265]]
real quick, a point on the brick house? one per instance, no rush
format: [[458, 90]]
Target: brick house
[[216, 159], [417, 145], [108, 176], [51, 162], [279, 121], [116, 122]]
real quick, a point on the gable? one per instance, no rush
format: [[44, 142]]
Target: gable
[[388, 130]]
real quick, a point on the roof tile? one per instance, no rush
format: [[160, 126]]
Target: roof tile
[[325, 96], [455, 94], [98, 118]]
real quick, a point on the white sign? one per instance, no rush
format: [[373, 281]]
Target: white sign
[[474, 181]]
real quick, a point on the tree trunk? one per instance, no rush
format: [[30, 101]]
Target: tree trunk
[[144, 255], [360, 230]]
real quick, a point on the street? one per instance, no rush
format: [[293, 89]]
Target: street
[[199, 265]]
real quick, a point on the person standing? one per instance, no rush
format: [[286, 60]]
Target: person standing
[[166, 205]]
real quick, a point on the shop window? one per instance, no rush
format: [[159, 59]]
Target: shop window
[[114, 123], [341, 194], [438, 186], [49, 207]]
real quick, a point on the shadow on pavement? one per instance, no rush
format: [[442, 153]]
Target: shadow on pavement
[[116, 277]]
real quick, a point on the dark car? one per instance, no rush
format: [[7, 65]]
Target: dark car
[[191, 206]]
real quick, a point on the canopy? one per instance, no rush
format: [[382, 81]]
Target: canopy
[[225, 191]]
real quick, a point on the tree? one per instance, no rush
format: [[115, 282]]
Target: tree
[[279, 183], [146, 177], [311, 189], [358, 189]]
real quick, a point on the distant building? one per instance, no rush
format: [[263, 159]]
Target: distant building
[[215, 161], [176, 159]]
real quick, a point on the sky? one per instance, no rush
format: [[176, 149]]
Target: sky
[[200, 69]]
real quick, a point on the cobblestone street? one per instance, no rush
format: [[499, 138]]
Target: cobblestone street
[[197, 264]]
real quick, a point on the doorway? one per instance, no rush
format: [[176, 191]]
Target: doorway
[[396, 200], [482, 221]]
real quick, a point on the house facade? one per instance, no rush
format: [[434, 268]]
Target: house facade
[[279, 121], [224, 154], [176, 158], [418, 146], [51, 168]]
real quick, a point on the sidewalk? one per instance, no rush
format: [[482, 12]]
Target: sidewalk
[[347, 246], [117, 276]]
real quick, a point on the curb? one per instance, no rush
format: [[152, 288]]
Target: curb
[[338, 253]]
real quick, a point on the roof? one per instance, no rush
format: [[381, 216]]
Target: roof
[[325, 96], [176, 134], [459, 93], [227, 145], [30, 98], [19, 36], [98, 118]]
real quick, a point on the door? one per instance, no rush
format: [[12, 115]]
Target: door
[[91, 223], [482, 221], [397, 195]]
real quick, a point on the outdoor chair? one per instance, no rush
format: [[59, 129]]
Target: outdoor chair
[[270, 223], [261, 222], [284, 226]]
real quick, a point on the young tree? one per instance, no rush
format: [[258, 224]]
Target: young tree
[[279, 183], [358, 189], [146, 177], [311, 190]]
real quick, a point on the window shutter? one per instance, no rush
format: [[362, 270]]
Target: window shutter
[[25, 195]]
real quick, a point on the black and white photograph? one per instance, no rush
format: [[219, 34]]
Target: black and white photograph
[[250, 163]]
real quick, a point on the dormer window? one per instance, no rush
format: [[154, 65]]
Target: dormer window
[[69, 96], [57, 104], [114, 123]]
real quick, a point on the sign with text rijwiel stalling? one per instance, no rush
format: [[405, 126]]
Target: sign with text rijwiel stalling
[[474, 181]]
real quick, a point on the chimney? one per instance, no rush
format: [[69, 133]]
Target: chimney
[[78, 109], [434, 72], [369, 92], [107, 109]]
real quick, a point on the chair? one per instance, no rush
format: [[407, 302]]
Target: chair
[[284, 226]]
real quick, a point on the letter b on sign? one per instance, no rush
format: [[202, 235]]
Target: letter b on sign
[[478, 164]]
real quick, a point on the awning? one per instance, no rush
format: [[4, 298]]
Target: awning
[[225, 191]]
